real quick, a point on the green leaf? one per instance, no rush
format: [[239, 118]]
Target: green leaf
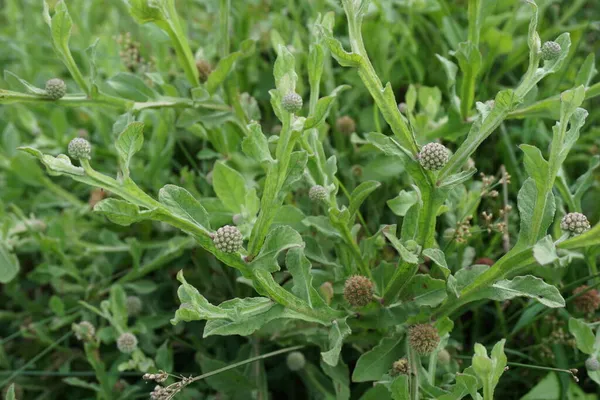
[[337, 333], [587, 71], [57, 305], [226, 64], [487, 369], [284, 71], [118, 306], [585, 181], [359, 195], [278, 240], [340, 378], [470, 61], [535, 165], [527, 203], [131, 86], [423, 290], [144, 11], [456, 179], [402, 203], [524, 286], [323, 107], [256, 146], [399, 388], [58, 165], [544, 251], [405, 254], [373, 364], [9, 264], [181, 203], [230, 187], [129, 142], [121, 212], [300, 269], [584, 336], [10, 393], [439, 258]]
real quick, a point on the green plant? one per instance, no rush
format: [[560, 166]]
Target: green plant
[[362, 248]]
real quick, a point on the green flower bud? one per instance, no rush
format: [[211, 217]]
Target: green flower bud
[[400, 367], [295, 361], [56, 88], [592, 364], [134, 305], [84, 331], [433, 156], [326, 290], [345, 125], [575, 222], [423, 338], [292, 102], [550, 51], [204, 70], [228, 239], [80, 148], [317, 193], [443, 357], [127, 343], [358, 291]]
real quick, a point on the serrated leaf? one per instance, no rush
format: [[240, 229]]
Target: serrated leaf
[[129, 142]]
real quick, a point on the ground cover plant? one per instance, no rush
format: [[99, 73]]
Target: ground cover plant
[[273, 199]]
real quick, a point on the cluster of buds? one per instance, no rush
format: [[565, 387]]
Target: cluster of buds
[[56, 88], [487, 185], [127, 343], [463, 230], [423, 338], [358, 291], [292, 102], [558, 336], [550, 50], [317, 193], [490, 225], [84, 331], [400, 367], [80, 148], [433, 156], [295, 361], [575, 223], [160, 377], [134, 305], [130, 55], [168, 392], [228, 239], [588, 301]]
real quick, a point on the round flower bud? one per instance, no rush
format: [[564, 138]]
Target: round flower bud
[[423, 338], [575, 222], [204, 70], [134, 305], [228, 239], [292, 102], [317, 193], [295, 361], [443, 357], [592, 364], [345, 125], [56, 88], [403, 108], [587, 302], [80, 148], [400, 367], [433, 156], [326, 290], [84, 331], [358, 291], [127, 343], [550, 51]]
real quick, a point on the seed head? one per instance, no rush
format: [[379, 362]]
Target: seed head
[[127, 343], [134, 305], [358, 291], [587, 302], [423, 338], [295, 361], [443, 357], [292, 102], [345, 125], [80, 148], [400, 367], [317, 193], [592, 364], [228, 239], [204, 69], [56, 88], [84, 331], [575, 222], [550, 51], [433, 156], [159, 377]]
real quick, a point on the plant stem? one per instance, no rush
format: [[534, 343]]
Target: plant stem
[[415, 364]]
